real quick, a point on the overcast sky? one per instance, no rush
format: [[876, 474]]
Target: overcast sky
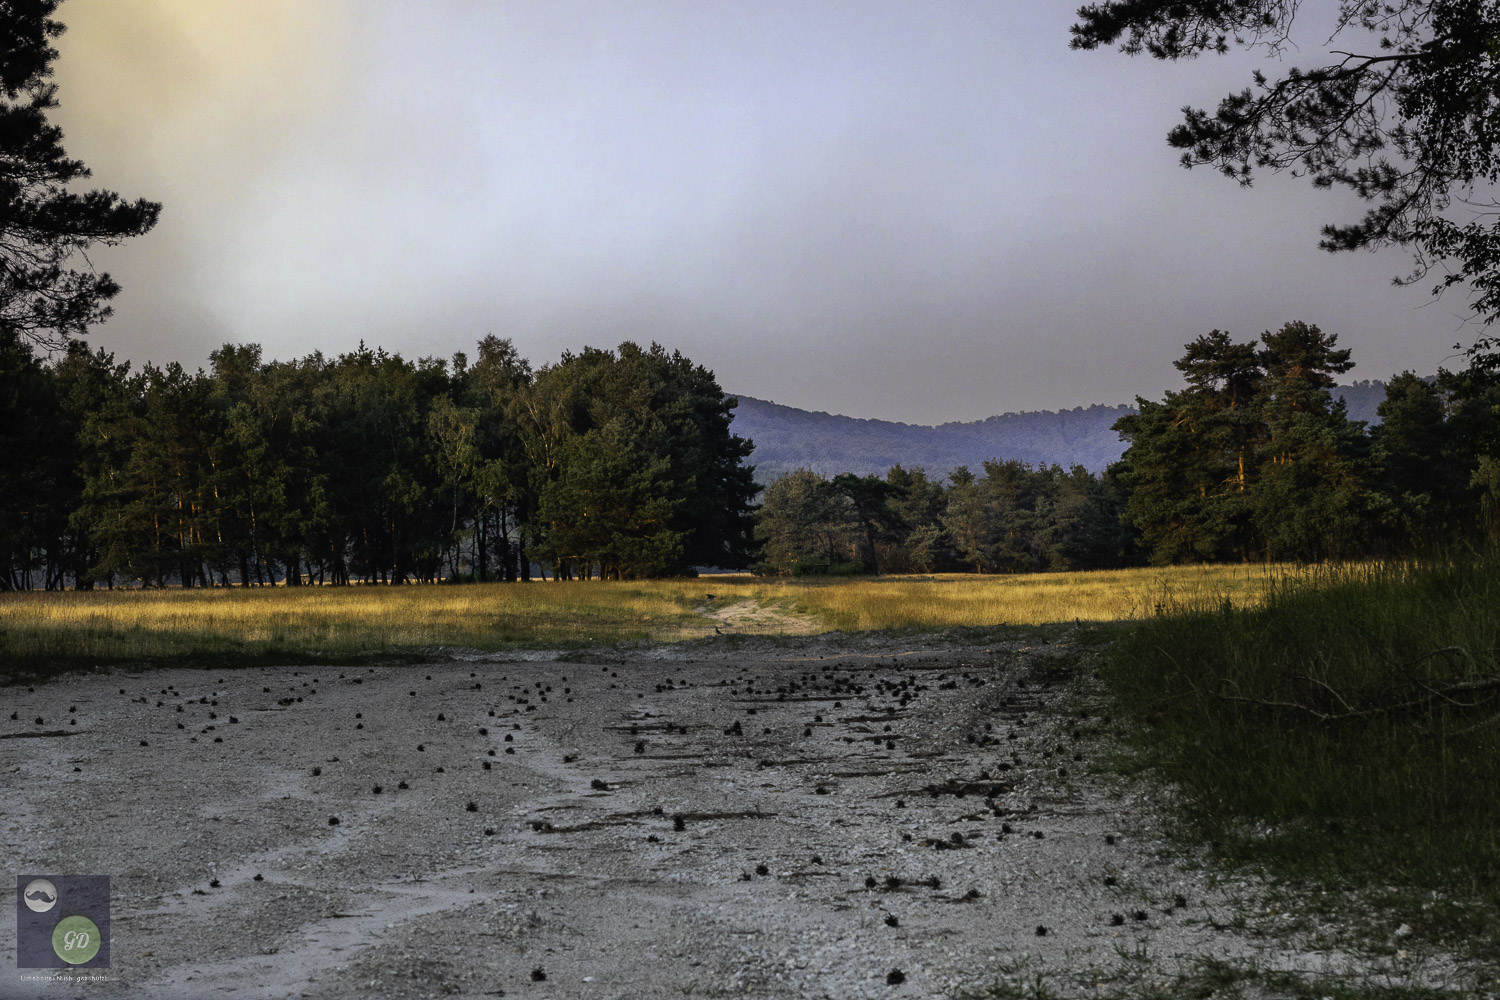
[[914, 211]]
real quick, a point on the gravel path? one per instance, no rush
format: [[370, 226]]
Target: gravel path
[[792, 817]]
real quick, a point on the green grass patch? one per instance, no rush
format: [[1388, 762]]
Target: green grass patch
[[1139, 975], [1346, 730]]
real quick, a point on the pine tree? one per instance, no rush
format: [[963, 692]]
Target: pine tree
[[48, 290], [804, 525]]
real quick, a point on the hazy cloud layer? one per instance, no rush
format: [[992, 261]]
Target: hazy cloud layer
[[916, 212]]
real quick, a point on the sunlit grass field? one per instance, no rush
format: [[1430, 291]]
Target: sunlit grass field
[[965, 600], [1223, 677], [38, 630], [348, 622]]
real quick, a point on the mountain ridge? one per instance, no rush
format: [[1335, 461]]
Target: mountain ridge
[[788, 438]]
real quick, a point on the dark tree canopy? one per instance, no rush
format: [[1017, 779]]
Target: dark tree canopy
[[1013, 519], [1255, 459], [636, 469], [365, 466], [1403, 113], [49, 291]]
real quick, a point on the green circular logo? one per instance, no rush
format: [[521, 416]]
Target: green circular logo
[[75, 939]]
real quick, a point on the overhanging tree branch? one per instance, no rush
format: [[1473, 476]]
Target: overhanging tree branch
[[49, 290], [1410, 122]]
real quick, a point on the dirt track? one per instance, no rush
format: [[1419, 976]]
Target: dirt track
[[729, 817]]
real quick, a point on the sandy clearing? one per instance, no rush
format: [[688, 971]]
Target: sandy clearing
[[752, 617], [801, 768]]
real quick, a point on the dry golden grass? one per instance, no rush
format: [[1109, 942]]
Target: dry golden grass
[[112, 626], [342, 621], [964, 600]]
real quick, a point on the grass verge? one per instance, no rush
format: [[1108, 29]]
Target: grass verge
[[1346, 735]]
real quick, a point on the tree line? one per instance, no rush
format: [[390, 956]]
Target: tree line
[[623, 464], [1253, 459], [364, 467], [1012, 519]]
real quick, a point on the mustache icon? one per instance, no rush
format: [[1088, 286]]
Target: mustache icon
[[42, 895]]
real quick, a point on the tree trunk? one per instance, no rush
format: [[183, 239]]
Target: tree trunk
[[507, 557], [484, 561]]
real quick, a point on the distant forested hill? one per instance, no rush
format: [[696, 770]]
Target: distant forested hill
[[787, 438], [1362, 398]]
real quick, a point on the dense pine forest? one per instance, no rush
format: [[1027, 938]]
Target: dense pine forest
[[364, 467], [1253, 459], [368, 467]]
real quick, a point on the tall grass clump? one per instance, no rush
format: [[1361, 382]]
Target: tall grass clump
[[1348, 727]]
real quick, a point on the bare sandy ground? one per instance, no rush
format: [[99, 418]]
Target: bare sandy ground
[[788, 817]]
